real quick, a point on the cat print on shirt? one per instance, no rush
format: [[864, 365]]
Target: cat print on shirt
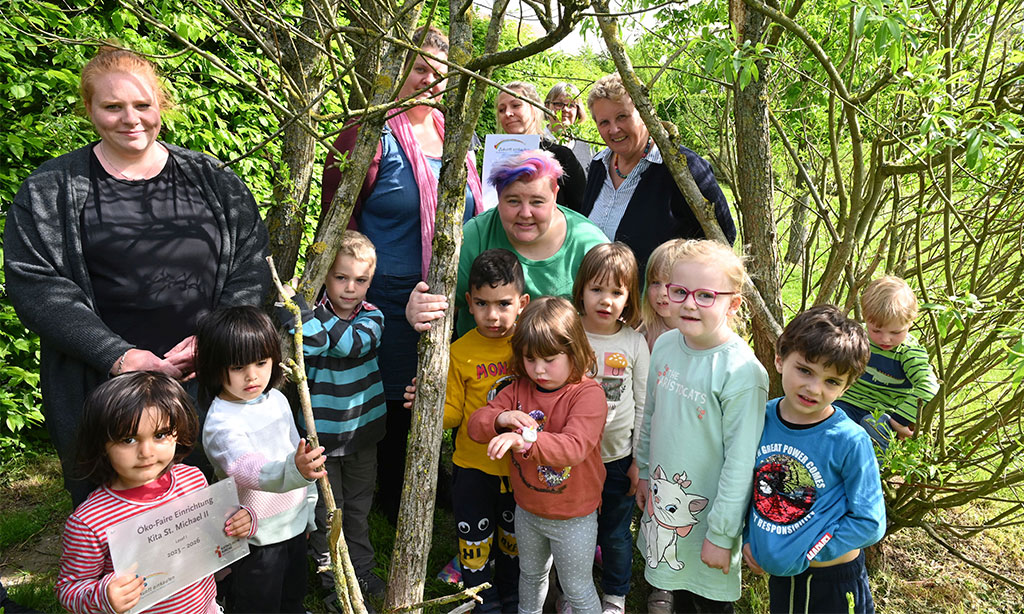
[[670, 515]]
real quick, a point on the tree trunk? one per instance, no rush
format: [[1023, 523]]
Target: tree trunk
[[286, 219], [755, 190], [416, 512]]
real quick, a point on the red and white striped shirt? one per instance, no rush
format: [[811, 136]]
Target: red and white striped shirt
[[85, 565]]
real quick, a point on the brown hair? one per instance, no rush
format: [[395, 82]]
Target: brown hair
[[110, 59], [889, 300], [614, 262], [113, 411], [432, 38], [550, 326], [825, 334], [722, 258], [529, 94], [659, 267]]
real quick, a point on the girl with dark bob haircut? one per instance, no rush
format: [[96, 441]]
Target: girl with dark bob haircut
[[232, 337], [113, 410]]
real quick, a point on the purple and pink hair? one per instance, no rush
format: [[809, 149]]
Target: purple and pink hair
[[527, 166]]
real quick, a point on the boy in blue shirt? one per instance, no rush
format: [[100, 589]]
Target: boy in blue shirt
[[817, 495]]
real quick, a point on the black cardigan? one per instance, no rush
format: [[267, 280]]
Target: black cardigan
[[573, 181], [658, 212]]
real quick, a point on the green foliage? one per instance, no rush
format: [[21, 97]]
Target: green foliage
[[20, 402]]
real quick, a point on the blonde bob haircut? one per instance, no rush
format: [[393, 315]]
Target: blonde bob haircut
[[721, 257], [110, 59], [614, 263], [547, 327], [659, 269], [529, 94], [889, 300]]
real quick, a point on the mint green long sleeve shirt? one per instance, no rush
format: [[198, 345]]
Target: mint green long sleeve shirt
[[702, 422]]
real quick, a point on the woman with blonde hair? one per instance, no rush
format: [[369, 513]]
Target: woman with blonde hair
[[114, 250], [515, 115], [631, 194]]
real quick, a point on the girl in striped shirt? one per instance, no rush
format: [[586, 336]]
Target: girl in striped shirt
[[135, 429]]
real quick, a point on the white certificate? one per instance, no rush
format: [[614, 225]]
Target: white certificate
[[179, 542], [499, 147]]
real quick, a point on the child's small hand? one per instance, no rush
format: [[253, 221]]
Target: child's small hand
[[902, 432], [748, 558], [514, 420], [309, 460], [633, 473], [239, 524], [503, 443], [641, 493], [715, 557], [124, 591], [289, 288], [409, 394]]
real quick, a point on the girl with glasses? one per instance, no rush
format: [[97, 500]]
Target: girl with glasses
[[702, 421]]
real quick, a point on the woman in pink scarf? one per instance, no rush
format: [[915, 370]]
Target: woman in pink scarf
[[395, 209]]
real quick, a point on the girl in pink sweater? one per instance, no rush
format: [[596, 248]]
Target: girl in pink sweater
[[550, 422]]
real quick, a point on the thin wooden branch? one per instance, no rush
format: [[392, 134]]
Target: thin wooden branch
[[345, 583]]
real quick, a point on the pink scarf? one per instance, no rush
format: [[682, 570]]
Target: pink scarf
[[427, 183]]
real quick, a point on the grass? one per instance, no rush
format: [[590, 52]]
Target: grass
[[910, 573]]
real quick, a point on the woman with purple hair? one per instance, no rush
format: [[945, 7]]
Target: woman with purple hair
[[549, 240]]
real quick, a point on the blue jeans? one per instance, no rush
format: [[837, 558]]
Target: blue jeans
[[613, 534], [878, 430]]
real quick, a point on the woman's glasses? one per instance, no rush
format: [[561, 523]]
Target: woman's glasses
[[701, 296]]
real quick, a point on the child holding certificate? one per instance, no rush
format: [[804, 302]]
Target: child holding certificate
[[135, 429], [250, 435]]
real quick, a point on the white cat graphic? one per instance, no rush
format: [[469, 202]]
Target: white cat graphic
[[671, 513]]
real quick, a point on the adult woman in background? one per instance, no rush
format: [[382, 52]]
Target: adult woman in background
[[631, 195], [396, 209], [563, 100], [516, 116], [114, 251]]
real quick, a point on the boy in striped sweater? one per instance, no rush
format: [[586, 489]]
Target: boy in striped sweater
[[341, 336], [898, 379]]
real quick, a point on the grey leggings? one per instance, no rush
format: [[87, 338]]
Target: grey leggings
[[571, 543]]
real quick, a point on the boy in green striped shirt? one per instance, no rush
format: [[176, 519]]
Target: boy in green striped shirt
[[898, 379]]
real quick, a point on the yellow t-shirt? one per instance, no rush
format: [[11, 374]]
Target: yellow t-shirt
[[479, 368]]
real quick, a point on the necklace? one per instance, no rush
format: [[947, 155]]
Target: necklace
[[144, 175], [615, 160]]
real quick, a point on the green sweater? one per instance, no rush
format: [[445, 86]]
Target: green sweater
[[553, 276], [894, 382], [702, 423]]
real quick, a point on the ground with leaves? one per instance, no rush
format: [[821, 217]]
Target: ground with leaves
[[909, 572]]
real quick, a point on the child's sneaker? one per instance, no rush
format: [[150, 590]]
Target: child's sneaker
[[613, 604], [452, 572], [659, 602]]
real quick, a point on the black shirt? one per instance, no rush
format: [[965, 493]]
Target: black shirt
[[152, 248]]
